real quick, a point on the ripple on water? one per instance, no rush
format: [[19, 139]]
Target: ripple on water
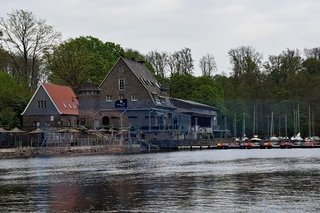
[[191, 181]]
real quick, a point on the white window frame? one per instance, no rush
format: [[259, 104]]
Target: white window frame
[[134, 98], [108, 98], [121, 83]]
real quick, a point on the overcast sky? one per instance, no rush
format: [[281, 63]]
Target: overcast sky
[[205, 26]]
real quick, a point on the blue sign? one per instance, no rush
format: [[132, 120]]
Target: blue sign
[[121, 103]]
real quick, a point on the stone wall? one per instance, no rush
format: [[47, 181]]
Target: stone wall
[[64, 151]]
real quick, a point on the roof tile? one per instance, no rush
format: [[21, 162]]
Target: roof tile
[[63, 96]]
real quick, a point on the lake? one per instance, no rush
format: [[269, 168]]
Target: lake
[[275, 180]]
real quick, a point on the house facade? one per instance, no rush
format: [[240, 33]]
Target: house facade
[[130, 97], [51, 105]]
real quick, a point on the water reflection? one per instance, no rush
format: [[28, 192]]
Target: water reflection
[[200, 181]]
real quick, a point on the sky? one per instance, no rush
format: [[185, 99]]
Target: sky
[[204, 26]]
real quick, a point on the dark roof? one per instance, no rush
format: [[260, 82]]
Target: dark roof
[[88, 85], [191, 105], [144, 76], [149, 82]]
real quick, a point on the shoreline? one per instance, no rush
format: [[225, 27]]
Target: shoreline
[[30, 152]]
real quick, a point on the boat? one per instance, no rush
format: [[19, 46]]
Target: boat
[[309, 143], [297, 140], [245, 143], [256, 141], [285, 143]]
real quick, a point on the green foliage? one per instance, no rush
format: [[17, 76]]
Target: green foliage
[[209, 94], [8, 117], [77, 60], [13, 99], [137, 56], [182, 86], [200, 89]]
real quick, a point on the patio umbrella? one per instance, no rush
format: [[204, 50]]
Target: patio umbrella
[[2, 130], [37, 131], [16, 132], [61, 130], [103, 130], [73, 130]]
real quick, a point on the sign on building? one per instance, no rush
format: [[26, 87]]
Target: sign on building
[[121, 103]]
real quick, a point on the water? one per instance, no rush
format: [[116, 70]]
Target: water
[[188, 181]]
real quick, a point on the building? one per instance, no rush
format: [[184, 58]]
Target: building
[[51, 105], [131, 98]]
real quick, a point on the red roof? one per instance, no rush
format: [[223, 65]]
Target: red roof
[[63, 98]]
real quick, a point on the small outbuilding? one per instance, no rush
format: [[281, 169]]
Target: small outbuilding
[[51, 105]]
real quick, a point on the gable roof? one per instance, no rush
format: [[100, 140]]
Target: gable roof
[[62, 97], [149, 82], [144, 75]]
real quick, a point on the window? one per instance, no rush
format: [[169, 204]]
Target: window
[[132, 117], [42, 104], [108, 98], [105, 121], [134, 98], [156, 98], [82, 121], [121, 84], [121, 97]]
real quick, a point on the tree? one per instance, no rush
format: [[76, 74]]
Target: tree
[[159, 60], [181, 62], [207, 91], [207, 65], [77, 60], [5, 60], [246, 71], [13, 100], [245, 60], [313, 53], [137, 56], [182, 86], [312, 63], [26, 38]]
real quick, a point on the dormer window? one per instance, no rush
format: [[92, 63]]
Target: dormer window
[[156, 98], [121, 84]]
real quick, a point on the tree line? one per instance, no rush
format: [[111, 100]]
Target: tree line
[[31, 52]]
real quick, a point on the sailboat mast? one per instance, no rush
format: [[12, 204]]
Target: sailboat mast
[[235, 126], [294, 122], [298, 118], [254, 121], [244, 125], [279, 126], [312, 122], [286, 124], [271, 125], [309, 122]]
